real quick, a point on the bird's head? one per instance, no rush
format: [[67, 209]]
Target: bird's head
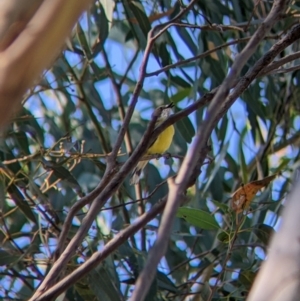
[[164, 111]]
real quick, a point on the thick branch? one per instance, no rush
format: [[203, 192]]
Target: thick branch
[[32, 50], [14, 16]]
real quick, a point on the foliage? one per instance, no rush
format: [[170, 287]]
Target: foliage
[[55, 152]]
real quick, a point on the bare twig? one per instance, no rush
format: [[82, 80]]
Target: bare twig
[[278, 63], [284, 70], [124, 77], [84, 99], [212, 27], [117, 90], [199, 56], [252, 14]]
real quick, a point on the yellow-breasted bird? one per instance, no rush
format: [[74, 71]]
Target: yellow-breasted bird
[[160, 145]]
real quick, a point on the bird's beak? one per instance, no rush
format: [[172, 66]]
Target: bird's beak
[[171, 105]]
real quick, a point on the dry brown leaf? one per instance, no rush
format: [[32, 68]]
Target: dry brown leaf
[[242, 197], [212, 46]]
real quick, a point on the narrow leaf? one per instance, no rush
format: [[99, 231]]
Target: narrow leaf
[[198, 218], [17, 196]]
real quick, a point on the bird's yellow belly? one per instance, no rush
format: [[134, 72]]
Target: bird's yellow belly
[[162, 142]]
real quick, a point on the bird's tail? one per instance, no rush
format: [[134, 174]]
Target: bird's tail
[[137, 172]]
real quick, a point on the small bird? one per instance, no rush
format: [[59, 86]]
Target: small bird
[[160, 145]]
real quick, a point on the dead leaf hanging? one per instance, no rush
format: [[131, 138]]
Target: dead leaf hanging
[[242, 197]]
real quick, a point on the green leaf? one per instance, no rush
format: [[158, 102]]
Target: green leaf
[[83, 289], [186, 37], [164, 283], [93, 97], [216, 185], [138, 21], [108, 7], [7, 258], [83, 41], [164, 55], [222, 130], [232, 165], [181, 94], [295, 7], [32, 131], [22, 141], [224, 237], [247, 278], [205, 292], [240, 260], [17, 196], [242, 159], [254, 104], [221, 206], [216, 166], [62, 173], [2, 191], [140, 15], [33, 128], [126, 251], [263, 233], [103, 285], [103, 22], [215, 69], [152, 292], [153, 178], [198, 218], [186, 129], [179, 81]]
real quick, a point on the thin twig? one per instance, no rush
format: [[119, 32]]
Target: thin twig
[[199, 56], [117, 90], [124, 77], [278, 63]]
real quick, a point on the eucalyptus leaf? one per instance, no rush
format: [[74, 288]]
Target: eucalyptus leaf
[[198, 218]]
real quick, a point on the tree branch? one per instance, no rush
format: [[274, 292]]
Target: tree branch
[[278, 63], [26, 54]]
